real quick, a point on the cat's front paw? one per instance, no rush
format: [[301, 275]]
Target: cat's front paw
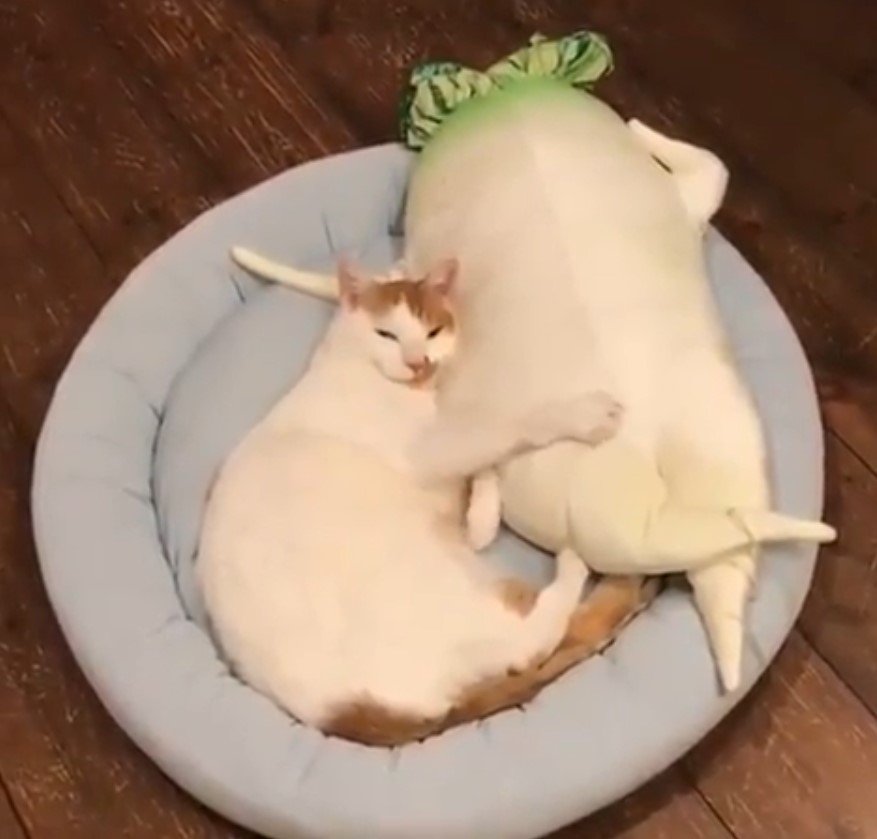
[[591, 419], [595, 418]]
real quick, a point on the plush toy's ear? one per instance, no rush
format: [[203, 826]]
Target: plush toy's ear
[[443, 276], [351, 283]]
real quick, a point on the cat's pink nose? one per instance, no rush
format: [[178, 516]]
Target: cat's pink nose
[[418, 365]]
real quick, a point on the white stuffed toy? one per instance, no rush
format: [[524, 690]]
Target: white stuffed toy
[[579, 239]]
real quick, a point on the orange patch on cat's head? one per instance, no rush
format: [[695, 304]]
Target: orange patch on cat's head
[[429, 299], [428, 305]]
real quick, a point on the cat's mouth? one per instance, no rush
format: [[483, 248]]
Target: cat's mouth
[[422, 376]]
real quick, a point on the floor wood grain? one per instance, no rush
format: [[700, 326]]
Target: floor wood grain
[[799, 758], [10, 824], [121, 120]]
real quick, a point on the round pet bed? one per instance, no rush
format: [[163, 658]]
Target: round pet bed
[[183, 360]]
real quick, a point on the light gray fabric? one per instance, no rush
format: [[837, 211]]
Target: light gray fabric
[[182, 361]]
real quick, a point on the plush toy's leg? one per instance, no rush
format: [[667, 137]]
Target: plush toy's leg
[[721, 592], [324, 286], [703, 496], [713, 455], [460, 444], [700, 176], [701, 507], [623, 521], [622, 516], [484, 512]]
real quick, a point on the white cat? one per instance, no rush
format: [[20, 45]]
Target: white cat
[[342, 586]]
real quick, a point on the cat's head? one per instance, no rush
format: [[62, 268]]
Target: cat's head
[[406, 326]]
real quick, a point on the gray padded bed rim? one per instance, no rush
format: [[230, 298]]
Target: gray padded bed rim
[[604, 729]]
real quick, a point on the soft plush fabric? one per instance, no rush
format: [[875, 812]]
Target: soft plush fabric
[[182, 361], [538, 185]]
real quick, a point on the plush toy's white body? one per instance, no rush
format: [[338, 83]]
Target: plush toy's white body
[[582, 266]]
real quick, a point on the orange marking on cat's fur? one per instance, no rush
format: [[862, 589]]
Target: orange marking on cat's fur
[[517, 595], [365, 721], [614, 602], [424, 302]]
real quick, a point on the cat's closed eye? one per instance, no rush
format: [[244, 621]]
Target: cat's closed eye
[[385, 334], [435, 332]]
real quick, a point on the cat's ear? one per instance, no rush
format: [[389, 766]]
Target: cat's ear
[[443, 276], [351, 283]]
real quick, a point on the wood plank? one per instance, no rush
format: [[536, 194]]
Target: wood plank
[[380, 54], [127, 173], [840, 617], [667, 808], [57, 285], [35, 768], [837, 34], [237, 97], [148, 162], [10, 826], [134, 170], [802, 130], [69, 769], [798, 758], [849, 402], [297, 21]]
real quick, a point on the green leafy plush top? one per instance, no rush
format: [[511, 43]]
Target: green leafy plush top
[[437, 88]]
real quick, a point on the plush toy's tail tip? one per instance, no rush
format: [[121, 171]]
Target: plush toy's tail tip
[[767, 526], [824, 533], [324, 286]]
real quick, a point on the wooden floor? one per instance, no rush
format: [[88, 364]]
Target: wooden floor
[[122, 119]]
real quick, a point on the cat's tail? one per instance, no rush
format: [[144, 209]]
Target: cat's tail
[[543, 627], [594, 624], [324, 286]]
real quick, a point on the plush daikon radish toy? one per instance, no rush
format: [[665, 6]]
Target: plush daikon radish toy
[[579, 238]]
